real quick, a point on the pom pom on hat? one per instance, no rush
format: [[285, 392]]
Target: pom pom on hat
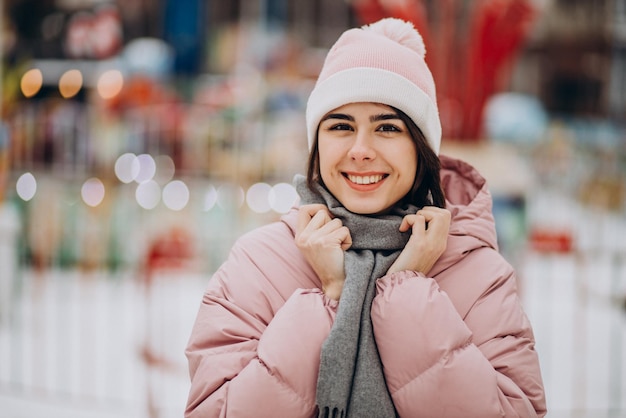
[[383, 63], [400, 31]]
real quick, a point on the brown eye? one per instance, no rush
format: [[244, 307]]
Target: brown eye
[[340, 127], [389, 128]]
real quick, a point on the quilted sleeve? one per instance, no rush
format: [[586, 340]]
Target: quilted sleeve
[[252, 353], [440, 364]]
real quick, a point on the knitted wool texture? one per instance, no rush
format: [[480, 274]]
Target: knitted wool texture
[[381, 63], [351, 382]]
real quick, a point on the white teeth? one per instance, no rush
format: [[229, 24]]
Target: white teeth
[[365, 179]]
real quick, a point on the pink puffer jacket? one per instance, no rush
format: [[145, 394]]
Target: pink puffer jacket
[[454, 344]]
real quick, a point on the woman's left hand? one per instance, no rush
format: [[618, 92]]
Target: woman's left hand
[[429, 237]]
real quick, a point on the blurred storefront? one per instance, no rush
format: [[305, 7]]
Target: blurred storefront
[[139, 139]]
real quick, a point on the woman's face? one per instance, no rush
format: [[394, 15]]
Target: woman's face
[[367, 157]]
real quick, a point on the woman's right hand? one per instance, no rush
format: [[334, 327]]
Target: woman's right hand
[[322, 240]]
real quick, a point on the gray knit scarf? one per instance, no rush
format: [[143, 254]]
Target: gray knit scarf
[[351, 381]]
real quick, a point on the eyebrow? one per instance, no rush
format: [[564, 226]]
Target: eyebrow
[[384, 116], [341, 116], [374, 118]]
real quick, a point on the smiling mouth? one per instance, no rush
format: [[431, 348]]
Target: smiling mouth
[[372, 179]]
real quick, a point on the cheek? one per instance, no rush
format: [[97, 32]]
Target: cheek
[[408, 167], [328, 157], [406, 159]]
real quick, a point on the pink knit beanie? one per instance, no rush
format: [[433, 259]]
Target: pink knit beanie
[[383, 63]]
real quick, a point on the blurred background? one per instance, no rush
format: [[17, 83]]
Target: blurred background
[[139, 139]]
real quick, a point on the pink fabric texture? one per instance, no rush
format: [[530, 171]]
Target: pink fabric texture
[[383, 63], [454, 342]]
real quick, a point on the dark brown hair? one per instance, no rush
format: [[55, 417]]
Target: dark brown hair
[[426, 190]]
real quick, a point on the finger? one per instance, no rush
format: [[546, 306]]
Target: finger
[[406, 223], [416, 222], [334, 228], [322, 231], [341, 237], [313, 208], [432, 212], [347, 239], [436, 218], [306, 213]]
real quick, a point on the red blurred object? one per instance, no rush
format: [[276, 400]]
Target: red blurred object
[[551, 241], [467, 68], [171, 249], [368, 11], [141, 90], [498, 30]]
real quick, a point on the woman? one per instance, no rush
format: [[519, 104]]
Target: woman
[[383, 293]]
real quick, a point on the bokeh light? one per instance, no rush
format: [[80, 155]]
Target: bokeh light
[[210, 199], [26, 186], [92, 192], [127, 167], [147, 168], [31, 82], [148, 194], [164, 169], [70, 83], [282, 197], [176, 195], [257, 197], [110, 84]]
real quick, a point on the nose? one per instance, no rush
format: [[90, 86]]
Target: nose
[[362, 147]]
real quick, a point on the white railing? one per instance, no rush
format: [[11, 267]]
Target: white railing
[[104, 341]]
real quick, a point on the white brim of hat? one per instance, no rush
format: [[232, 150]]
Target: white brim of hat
[[365, 84]]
